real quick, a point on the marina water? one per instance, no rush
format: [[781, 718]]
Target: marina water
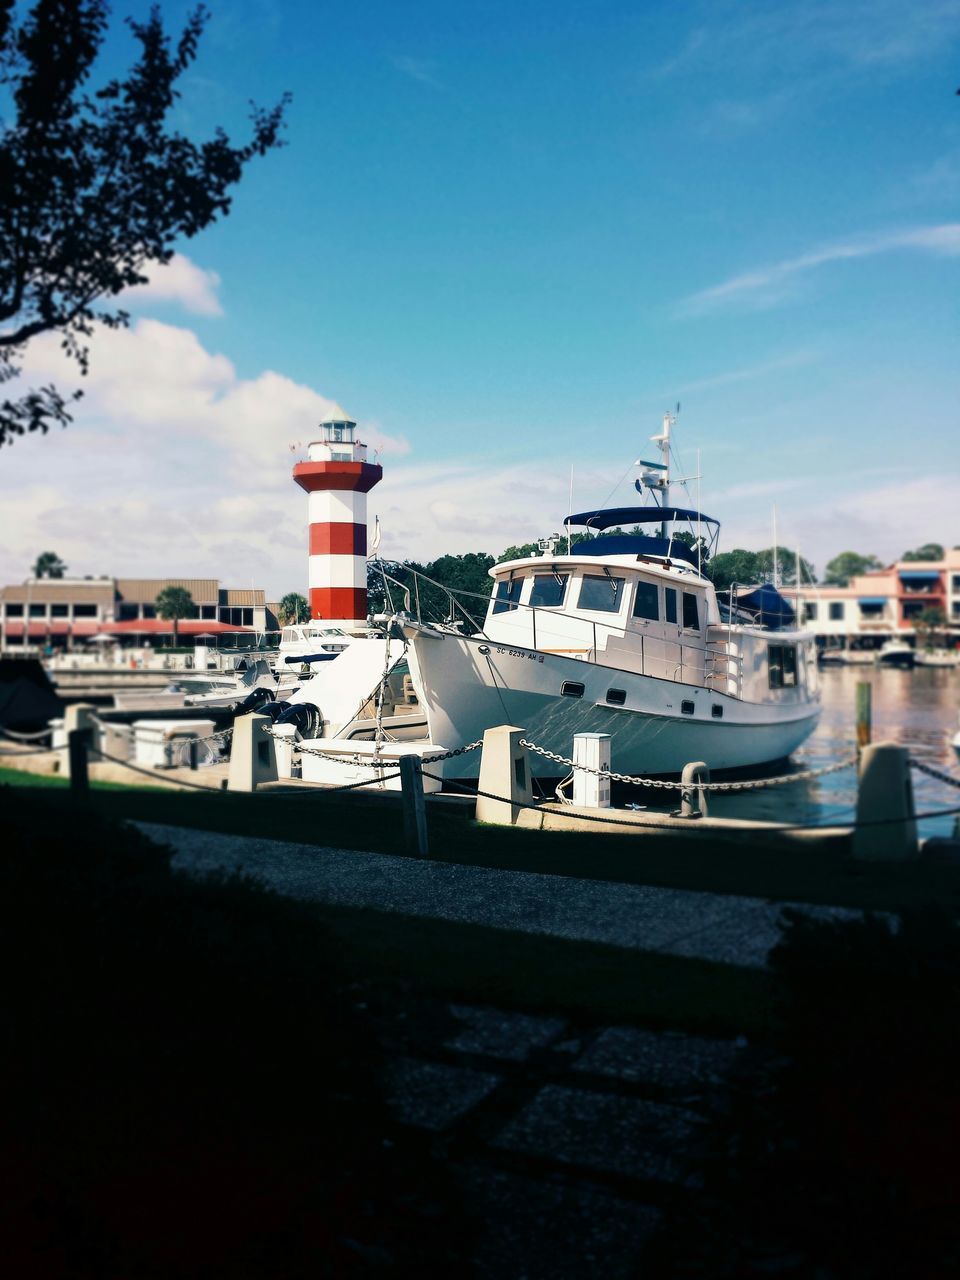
[[917, 709]]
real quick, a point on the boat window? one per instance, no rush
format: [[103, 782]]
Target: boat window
[[601, 594], [687, 708], [782, 665], [549, 589], [617, 696], [646, 604], [571, 689], [691, 618], [670, 603], [507, 595], [717, 711]]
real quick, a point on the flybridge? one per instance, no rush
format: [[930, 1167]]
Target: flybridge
[[614, 516]]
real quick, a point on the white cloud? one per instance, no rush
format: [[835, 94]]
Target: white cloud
[[768, 285], [182, 281], [419, 69]]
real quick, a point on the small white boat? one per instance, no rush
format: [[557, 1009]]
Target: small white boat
[[624, 635], [896, 653], [201, 689]]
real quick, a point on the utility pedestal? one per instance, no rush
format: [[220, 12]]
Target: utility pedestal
[[592, 751], [253, 759], [885, 797], [504, 771]]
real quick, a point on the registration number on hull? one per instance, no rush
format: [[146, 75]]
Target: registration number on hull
[[520, 653]]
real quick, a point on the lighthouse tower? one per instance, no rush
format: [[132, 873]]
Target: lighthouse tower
[[337, 478]]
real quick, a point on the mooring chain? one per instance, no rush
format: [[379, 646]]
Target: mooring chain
[[801, 776], [359, 760], [933, 772]]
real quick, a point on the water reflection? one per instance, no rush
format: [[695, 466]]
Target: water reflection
[[917, 708]]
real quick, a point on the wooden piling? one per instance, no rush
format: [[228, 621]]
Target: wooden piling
[[414, 808], [79, 742], [864, 714]]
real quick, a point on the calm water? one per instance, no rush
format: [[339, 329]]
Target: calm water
[[916, 708]]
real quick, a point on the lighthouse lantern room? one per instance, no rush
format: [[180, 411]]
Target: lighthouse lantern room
[[337, 479]]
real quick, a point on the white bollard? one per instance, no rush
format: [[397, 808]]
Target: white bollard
[[253, 758], [504, 771], [284, 739], [885, 797], [591, 750]]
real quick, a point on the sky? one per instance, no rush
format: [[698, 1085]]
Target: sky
[[506, 238]]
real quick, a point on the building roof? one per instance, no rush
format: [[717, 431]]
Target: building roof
[[146, 590], [242, 596], [160, 627], [55, 591]]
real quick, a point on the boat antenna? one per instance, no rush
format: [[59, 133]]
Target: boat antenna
[[570, 507], [776, 554]]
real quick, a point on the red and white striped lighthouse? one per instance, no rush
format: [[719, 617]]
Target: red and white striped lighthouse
[[337, 478]]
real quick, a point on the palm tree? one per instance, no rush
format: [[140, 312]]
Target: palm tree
[[293, 608], [48, 565], [174, 603]]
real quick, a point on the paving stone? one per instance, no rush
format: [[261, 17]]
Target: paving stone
[[603, 1131], [500, 1033], [536, 1229], [432, 1095], [661, 1058]]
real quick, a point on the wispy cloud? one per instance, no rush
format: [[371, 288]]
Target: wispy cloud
[[768, 285], [792, 360], [181, 281], [419, 69]]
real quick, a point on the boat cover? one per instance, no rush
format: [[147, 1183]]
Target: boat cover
[[636, 544], [774, 611], [635, 515]]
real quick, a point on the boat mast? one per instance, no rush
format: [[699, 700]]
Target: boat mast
[[663, 481]]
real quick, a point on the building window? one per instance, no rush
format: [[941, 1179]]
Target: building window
[[208, 611], [247, 620], [507, 595], [691, 618], [549, 590], [647, 603], [871, 610], [956, 583], [14, 610], [128, 612], [913, 608], [670, 603], [837, 611], [84, 610], [59, 611], [782, 665], [809, 612], [149, 611], [38, 611]]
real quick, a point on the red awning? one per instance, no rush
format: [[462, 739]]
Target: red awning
[[159, 627]]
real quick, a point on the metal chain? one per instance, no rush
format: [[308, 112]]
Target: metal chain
[[933, 772], [802, 776], [25, 737], [359, 760]]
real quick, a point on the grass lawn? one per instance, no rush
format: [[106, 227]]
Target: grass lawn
[[815, 874]]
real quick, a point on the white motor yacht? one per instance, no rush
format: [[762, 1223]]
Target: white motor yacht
[[624, 634], [896, 653]]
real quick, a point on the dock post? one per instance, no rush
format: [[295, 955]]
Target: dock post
[[864, 714], [414, 808], [194, 749], [79, 742], [885, 798], [693, 798], [253, 757], [80, 715], [504, 775]]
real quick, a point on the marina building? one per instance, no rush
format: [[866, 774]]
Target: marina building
[[889, 602], [66, 612]]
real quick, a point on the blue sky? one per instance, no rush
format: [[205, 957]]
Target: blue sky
[[506, 237]]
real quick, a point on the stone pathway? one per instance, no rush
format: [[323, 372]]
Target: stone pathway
[[678, 922], [567, 1140]]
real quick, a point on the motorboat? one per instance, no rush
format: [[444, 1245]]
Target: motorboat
[[623, 634], [202, 689], [896, 653]]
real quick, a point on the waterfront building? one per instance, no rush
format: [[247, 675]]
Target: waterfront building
[[64, 612], [889, 602]]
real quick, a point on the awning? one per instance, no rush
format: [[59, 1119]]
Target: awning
[[636, 515], [872, 602], [919, 575], [160, 627]]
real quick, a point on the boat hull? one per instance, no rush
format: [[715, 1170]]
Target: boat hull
[[469, 685]]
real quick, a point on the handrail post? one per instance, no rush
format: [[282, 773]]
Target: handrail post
[[414, 807], [534, 612], [79, 742]]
